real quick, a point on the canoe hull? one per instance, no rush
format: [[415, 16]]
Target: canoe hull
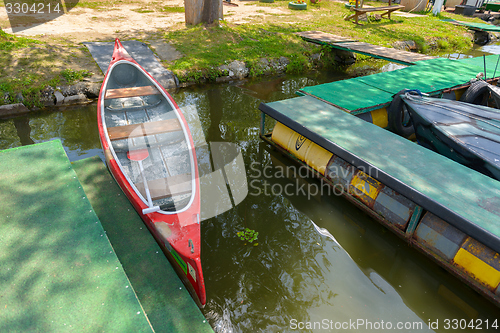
[[177, 227]]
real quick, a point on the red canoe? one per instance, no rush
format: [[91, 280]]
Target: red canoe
[[150, 152]]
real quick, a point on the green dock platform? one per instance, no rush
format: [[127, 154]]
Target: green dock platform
[[466, 199], [76, 256], [476, 26], [372, 92]]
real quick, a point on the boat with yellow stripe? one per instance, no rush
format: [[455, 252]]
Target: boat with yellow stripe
[[370, 97], [446, 210]]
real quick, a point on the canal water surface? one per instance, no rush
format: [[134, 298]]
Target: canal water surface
[[320, 265]]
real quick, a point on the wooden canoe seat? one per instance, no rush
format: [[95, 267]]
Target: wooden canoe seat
[[167, 187], [131, 92], [143, 129]]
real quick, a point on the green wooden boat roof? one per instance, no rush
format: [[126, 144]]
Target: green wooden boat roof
[[466, 199]]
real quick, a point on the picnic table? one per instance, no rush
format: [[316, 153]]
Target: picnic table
[[359, 10]]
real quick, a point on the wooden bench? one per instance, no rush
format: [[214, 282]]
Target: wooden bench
[[167, 187], [359, 10], [144, 129], [131, 92]]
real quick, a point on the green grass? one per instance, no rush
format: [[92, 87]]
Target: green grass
[[249, 43], [29, 66], [172, 9], [71, 75], [143, 10], [10, 42]]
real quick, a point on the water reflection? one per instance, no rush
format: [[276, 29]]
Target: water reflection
[[411, 279], [76, 127], [23, 130], [492, 48]]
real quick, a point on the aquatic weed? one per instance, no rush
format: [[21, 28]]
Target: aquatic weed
[[248, 236]]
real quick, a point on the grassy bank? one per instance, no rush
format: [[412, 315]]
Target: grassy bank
[[30, 65], [206, 48]]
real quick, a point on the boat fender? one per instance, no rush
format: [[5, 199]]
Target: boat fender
[[399, 120], [477, 94]]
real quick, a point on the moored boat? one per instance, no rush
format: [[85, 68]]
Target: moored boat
[[467, 133], [150, 152]]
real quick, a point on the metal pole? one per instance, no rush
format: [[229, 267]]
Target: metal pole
[[496, 67]]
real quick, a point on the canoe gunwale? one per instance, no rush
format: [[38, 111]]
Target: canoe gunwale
[[178, 117]]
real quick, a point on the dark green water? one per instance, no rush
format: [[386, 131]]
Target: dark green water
[[319, 258]]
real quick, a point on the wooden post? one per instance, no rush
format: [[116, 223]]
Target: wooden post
[[202, 11], [193, 10]]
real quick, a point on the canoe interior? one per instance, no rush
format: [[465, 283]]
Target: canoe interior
[[137, 116], [466, 133]]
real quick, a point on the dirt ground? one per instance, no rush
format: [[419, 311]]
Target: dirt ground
[[137, 19]]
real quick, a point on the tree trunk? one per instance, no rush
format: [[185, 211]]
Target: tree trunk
[[203, 11]]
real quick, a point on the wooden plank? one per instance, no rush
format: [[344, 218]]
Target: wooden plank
[[386, 53], [167, 187], [344, 43], [143, 129], [131, 92], [376, 9], [324, 37]]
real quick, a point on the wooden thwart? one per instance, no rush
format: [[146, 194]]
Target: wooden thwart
[[143, 129], [131, 92], [167, 187]]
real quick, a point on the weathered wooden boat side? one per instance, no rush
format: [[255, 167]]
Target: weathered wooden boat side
[[444, 209], [468, 134], [150, 152]]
